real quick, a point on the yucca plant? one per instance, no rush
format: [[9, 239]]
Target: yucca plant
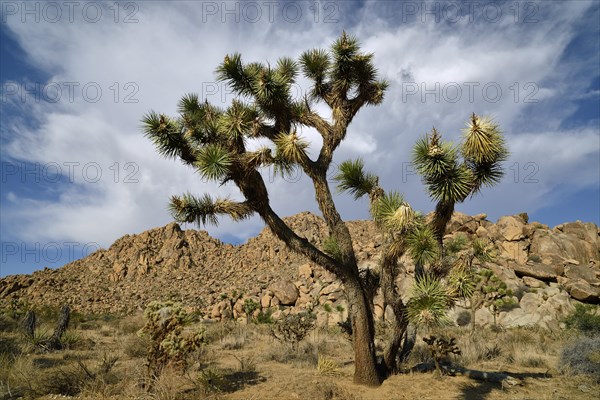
[[429, 302], [453, 173], [216, 143]]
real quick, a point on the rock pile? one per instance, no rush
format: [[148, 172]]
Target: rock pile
[[547, 268]]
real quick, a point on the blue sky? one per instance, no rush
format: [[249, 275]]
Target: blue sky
[[77, 174]]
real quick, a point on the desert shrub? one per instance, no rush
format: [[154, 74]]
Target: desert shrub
[[534, 362], [293, 328], [463, 318], [217, 331], [211, 381], [70, 340], [330, 391], [327, 366], [169, 344], [233, 341], [246, 364], [264, 317], [249, 307], [582, 357], [584, 319]]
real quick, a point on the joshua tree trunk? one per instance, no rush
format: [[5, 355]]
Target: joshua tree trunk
[[441, 217], [393, 299], [363, 333]]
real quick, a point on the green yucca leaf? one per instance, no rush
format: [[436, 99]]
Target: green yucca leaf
[[287, 69], [485, 174], [238, 77], [455, 244], [353, 179], [205, 210], [422, 245], [454, 187], [284, 168], [482, 250], [168, 136], [189, 104], [429, 302], [188, 208], [433, 160], [461, 282], [392, 212], [377, 91], [483, 141], [291, 148], [315, 64], [237, 121], [213, 162]]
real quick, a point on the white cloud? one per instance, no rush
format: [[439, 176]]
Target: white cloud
[[172, 51]]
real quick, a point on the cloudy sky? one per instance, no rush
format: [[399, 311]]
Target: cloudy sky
[[77, 78]]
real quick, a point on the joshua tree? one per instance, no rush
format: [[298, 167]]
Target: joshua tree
[[452, 173], [214, 142], [448, 181]]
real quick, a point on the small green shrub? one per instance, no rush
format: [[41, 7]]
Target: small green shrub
[[264, 317], [293, 328], [584, 319], [168, 343]]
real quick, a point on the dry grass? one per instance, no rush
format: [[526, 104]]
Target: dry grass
[[245, 362]]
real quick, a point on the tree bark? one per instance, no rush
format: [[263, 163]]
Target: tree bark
[[441, 217], [363, 334], [61, 327], [393, 299]]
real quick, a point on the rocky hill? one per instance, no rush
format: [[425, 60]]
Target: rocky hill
[[548, 269]]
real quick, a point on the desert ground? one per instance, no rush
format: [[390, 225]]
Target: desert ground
[[105, 357]]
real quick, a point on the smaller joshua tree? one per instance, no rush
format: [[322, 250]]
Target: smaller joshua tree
[[453, 173], [481, 286], [169, 344], [492, 293]]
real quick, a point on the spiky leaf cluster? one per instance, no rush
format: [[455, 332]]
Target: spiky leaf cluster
[[483, 149], [204, 210], [351, 178], [461, 282], [429, 303], [452, 173], [344, 70], [392, 212], [422, 245]]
